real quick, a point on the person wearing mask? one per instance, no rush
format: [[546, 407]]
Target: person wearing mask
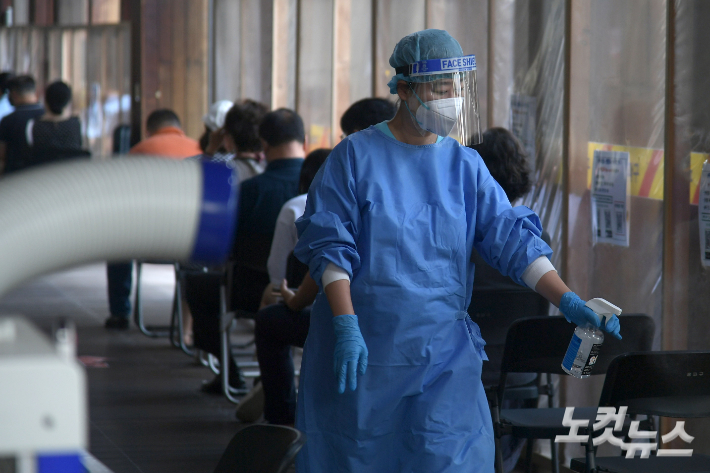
[[211, 139], [14, 150], [231, 137], [389, 226], [56, 135], [278, 327], [283, 140], [240, 132], [275, 331], [165, 139], [236, 142]]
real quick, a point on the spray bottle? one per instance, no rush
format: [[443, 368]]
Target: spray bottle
[[587, 340]]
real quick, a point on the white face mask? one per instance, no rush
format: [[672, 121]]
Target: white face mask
[[439, 116]]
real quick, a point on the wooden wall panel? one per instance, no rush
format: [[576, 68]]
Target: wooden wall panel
[[227, 59], [105, 11], [197, 66], [175, 60], [341, 65], [21, 12], [72, 12], [42, 12]]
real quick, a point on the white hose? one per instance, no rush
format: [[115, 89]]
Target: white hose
[[63, 215]]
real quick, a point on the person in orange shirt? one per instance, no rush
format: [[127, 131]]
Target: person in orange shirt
[[165, 137]]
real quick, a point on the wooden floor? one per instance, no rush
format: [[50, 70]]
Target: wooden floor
[[146, 411]]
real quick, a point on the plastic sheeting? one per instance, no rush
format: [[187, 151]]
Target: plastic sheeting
[[467, 21], [315, 70], [617, 102], [692, 65], [690, 281]]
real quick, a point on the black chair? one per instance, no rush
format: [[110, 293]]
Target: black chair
[[494, 312], [666, 384], [538, 345], [262, 448]]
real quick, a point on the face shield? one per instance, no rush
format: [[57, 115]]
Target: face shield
[[444, 97]]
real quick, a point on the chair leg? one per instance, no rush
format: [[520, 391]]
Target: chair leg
[[495, 414], [177, 339], [553, 455], [225, 349], [591, 466], [528, 455]]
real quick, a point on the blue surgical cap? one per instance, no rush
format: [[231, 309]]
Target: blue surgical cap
[[426, 44]]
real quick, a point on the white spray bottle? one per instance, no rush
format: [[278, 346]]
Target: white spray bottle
[[587, 340]]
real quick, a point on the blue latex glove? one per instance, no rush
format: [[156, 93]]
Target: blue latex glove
[[350, 350], [575, 311]]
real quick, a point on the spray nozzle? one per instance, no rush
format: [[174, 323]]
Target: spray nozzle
[[603, 308]]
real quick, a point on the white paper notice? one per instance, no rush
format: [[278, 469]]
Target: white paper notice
[[610, 197], [523, 116], [704, 215]]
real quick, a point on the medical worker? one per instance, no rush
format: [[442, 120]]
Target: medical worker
[[389, 226]]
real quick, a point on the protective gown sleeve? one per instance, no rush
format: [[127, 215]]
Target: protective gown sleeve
[[329, 227], [507, 238]]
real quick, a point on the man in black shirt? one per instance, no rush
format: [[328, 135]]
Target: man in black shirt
[[14, 150]]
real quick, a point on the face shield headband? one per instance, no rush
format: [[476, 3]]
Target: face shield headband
[[455, 115]]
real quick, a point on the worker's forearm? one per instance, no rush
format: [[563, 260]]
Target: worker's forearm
[[551, 287], [305, 295], [338, 294]]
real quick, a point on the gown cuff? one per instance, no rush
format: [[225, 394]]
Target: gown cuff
[[334, 273], [534, 271]]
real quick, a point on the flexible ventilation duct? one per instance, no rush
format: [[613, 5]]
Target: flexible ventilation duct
[[73, 213]]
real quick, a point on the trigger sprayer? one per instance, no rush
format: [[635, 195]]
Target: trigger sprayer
[[587, 340]]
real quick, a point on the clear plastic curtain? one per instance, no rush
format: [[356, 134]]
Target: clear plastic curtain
[[691, 280], [617, 103], [538, 80], [315, 70]]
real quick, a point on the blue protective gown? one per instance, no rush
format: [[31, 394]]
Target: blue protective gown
[[402, 220]]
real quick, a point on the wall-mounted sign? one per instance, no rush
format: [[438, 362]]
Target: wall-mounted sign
[[704, 215], [610, 197]]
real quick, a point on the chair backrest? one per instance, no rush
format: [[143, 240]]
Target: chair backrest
[[495, 311], [261, 447], [538, 344], [669, 384]]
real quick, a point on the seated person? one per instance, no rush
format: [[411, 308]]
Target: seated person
[[211, 142], [276, 332], [365, 113], [506, 161], [56, 135], [165, 139], [280, 326], [14, 151], [261, 197], [236, 139]]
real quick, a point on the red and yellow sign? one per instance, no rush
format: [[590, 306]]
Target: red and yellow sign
[[696, 169], [646, 169]]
